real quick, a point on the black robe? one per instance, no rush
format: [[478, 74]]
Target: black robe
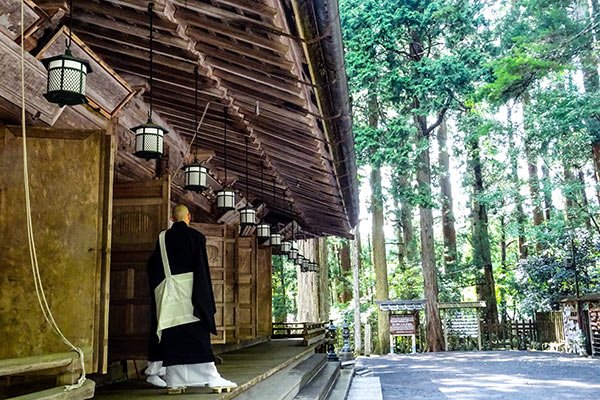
[[188, 343]]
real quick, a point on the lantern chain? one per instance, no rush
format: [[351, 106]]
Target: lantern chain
[[150, 7]]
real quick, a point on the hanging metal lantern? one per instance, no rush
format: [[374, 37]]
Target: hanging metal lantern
[[247, 216], [149, 140], [305, 264], [313, 267], [285, 247], [276, 239], [66, 79], [195, 176], [299, 260], [149, 136], [263, 231], [226, 200], [293, 254]]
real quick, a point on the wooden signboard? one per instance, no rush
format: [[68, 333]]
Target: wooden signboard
[[403, 324], [594, 314]]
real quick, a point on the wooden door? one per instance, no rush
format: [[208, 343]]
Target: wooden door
[[246, 282], [215, 251], [140, 212]]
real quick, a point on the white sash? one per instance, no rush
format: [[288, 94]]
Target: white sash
[[173, 295]]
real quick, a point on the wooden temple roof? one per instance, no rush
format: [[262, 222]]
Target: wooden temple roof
[[275, 66]]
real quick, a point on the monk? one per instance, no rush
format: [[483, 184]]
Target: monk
[[181, 356]]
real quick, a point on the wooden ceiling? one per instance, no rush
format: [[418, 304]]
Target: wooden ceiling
[[253, 65]]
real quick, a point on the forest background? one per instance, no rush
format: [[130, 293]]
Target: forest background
[[477, 132]]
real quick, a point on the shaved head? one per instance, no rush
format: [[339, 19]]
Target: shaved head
[[181, 213]]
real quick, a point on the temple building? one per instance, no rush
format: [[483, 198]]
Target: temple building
[[238, 109]]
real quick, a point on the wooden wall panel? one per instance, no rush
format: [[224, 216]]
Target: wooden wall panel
[[264, 295], [246, 284], [66, 195]]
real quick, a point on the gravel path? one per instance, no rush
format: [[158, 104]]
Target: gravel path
[[510, 375]]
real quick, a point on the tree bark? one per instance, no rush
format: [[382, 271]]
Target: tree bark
[[435, 338], [482, 256], [591, 84], [406, 218], [378, 245], [323, 278], [346, 270], [448, 230], [356, 267], [514, 169], [584, 201], [308, 287], [547, 185], [401, 246], [532, 169]]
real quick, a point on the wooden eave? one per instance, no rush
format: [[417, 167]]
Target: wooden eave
[[251, 62]]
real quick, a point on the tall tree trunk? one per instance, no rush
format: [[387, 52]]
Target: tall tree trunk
[[435, 339], [356, 267], [532, 169], [547, 185], [584, 201], [482, 256], [447, 201], [323, 277], [345, 271], [406, 218], [502, 292], [514, 169], [591, 83], [401, 246], [378, 245], [308, 287], [569, 194]]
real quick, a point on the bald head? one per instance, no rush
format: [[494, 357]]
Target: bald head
[[181, 213]]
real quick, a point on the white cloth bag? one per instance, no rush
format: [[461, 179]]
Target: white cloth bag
[[173, 295]]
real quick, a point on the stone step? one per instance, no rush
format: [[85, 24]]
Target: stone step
[[342, 385], [285, 384], [320, 386]]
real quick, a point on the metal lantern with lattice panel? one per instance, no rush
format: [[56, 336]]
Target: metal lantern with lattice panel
[[293, 254], [66, 79], [149, 140], [225, 200], [195, 176], [285, 247], [247, 216], [263, 232], [276, 239]]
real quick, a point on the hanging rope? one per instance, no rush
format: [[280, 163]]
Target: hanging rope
[[35, 268]]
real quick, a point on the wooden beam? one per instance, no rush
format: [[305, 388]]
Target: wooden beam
[[240, 33], [226, 15], [158, 36], [260, 78]]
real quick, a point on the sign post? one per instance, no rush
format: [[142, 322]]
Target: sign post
[[403, 325]]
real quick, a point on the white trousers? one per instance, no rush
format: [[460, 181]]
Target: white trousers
[[188, 375]]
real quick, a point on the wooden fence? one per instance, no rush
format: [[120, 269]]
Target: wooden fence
[[522, 335], [310, 332], [509, 335]]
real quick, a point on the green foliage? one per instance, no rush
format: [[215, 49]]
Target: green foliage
[[284, 290], [543, 279]]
